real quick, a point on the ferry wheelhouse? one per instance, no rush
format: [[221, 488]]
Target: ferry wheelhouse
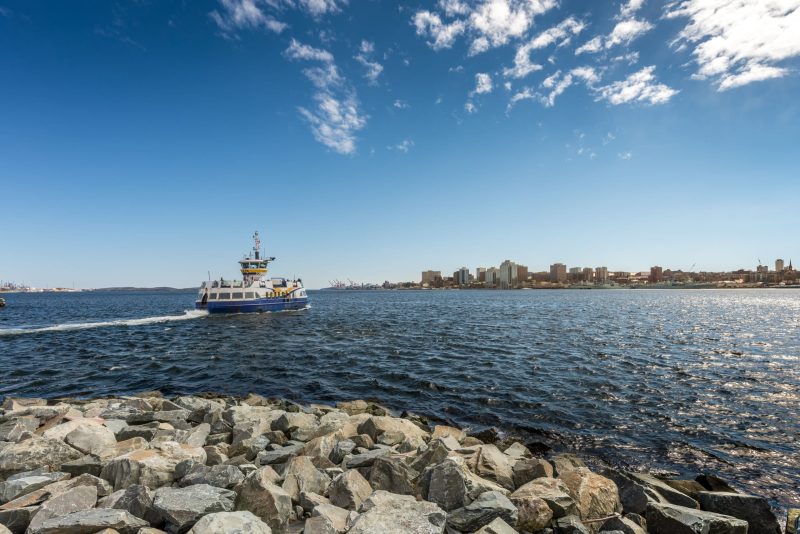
[[254, 292]]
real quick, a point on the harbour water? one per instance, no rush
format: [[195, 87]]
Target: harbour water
[[685, 381]]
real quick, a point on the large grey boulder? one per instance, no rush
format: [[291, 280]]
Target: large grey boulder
[[230, 523], [150, 467], [72, 500], [182, 507], [93, 439], [279, 456], [393, 475], [622, 524], [497, 526], [259, 494], [94, 520], [17, 519], [349, 490], [34, 453], [595, 496], [138, 500], [220, 476], [298, 425], [527, 469], [302, 476], [490, 463], [670, 494], [450, 484], [488, 506], [13, 429], [553, 491], [337, 518], [566, 462], [387, 513], [24, 483], [665, 518], [755, 510], [365, 459], [341, 449], [570, 524]]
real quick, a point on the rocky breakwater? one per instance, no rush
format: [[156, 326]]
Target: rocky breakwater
[[146, 464]]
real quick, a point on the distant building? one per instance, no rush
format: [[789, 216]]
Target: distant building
[[656, 275], [431, 277], [587, 274], [480, 274], [575, 270], [779, 265], [508, 275], [491, 276], [601, 275], [522, 274], [462, 276], [558, 272]]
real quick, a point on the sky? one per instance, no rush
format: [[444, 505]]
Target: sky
[[142, 142]]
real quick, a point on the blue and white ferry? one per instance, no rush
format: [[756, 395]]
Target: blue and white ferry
[[255, 292]]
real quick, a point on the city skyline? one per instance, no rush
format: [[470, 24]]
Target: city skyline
[[143, 143]]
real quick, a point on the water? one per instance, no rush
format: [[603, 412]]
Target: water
[[688, 381]]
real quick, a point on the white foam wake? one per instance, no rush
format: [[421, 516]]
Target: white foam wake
[[66, 327]]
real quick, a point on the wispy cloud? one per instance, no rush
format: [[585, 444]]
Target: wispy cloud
[[640, 87], [404, 146], [364, 57], [236, 15], [483, 84], [335, 117], [560, 35], [624, 32], [400, 104], [737, 43], [625, 155]]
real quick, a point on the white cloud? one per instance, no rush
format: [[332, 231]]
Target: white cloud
[[625, 155], [555, 85], [595, 44], [300, 51], [335, 117], [400, 104], [469, 107], [483, 84], [243, 15], [404, 146], [626, 31], [608, 138], [488, 23], [640, 86], [561, 34], [630, 8], [334, 121], [319, 7], [525, 94], [364, 57], [737, 43]]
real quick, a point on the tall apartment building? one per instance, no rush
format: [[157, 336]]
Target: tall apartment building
[[491, 276], [461, 276], [522, 274], [779, 265], [601, 275], [507, 277], [558, 272], [480, 274], [431, 277], [588, 274], [656, 274]]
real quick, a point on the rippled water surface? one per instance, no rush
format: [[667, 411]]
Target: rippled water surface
[[681, 380]]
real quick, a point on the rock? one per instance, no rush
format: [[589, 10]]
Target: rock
[[566, 462], [300, 426], [673, 519], [393, 475], [480, 512], [392, 437], [451, 485], [93, 439], [151, 467], [146, 431], [435, 452], [364, 459], [517, 451], [533, 514], [308, 501], [138, 501], [440, 431], [595, 496], [35, 452], [670, 494], [497, 526], [363, 441], [687, 487], [60, 431], [175, 417], [714, 483], [87, 465], [353, 407], [631, 494], [793, 521], [182, 507], [527, 469], [17, 519], [24, 483], [73, 500], [622, 524], [349, 490], [338, 518], [341, 449], [258, 494], [302, 476], [130, 445], [220, 476], [376, 425], [284, 454], [319, 525], [386, 513], [196, 437], [230, 523], [570, 524], [12, 430], [553, 491], [215, 455], [755, 510], [321, 447], [492, 464], [94, 520]]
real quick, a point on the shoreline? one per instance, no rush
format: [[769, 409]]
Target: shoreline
[[210, 462]]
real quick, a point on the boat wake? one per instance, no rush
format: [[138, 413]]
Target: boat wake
[[67, 327]]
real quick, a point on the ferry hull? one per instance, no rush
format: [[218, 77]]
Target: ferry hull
[[254, 306]]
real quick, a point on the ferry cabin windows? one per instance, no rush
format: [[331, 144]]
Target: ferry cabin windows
[[237, 295], [249, 295], [212, 296], [224, 296]]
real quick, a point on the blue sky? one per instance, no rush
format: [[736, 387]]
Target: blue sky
[[141, 142]]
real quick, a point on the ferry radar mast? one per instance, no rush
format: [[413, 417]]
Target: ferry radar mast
[[254, 268]]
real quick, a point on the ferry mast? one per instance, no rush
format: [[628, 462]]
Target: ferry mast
[[254, 268]]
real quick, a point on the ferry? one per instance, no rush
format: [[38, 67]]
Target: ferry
[[255, 292]]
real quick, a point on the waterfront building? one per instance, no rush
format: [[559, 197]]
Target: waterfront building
[[491, 276], [779, 265], [558, 272], [656, 274], [462, 276], [587, 274], [601, 275], [575, 270], [480, 274], [508, 276], [431, 278], [522, 274]]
